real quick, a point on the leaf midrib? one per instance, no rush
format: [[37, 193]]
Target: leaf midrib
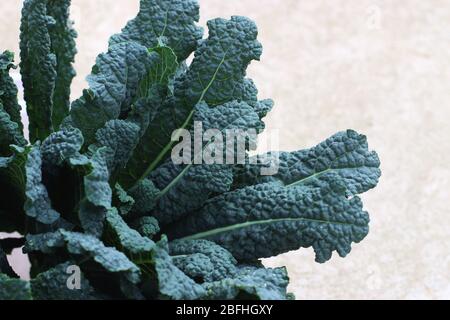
[[168, 146], [237, 226]]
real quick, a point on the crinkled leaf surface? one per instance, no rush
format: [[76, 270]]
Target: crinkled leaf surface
[[145, 195], [185, 188], [53, 285], [173, 283], [38, 67], [62, 36], [8, 89], [14, 289], [38, 204], [120, 138], [146, 226], [97, 189], [269, 219], [91, 193], [162, 72], [128, 239], [61, 146], [10, 133], [216, 76], [152, 91], [345, 154], [203, 260], [125, 201], [172, 19], [113, 84], [220, 275], [97, 194], [82, 244], [261, 283]]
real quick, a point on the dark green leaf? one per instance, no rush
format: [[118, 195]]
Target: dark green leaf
[[53, 285], [8, 89], [62, 37], [37, 205], [127, 238], [162, 72], [120, 139], [145, 195], [146, 226], [61, 146], [125, 201], [38, 67], [260, 283], [185, 188], [113, 85], [97, 194], [216, 76], [345, 154], [10, 133], [84, 245], [203, 260], [14, 289], [269, 219], [172, 19], [173, 283]]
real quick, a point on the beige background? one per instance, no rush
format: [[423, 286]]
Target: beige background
[[380, 67]]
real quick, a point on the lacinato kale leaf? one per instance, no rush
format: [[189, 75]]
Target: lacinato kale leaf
[[8, 89], [269, 219], [47, 51], [137, 190], [14, 289], [172, 19], [113, 84]]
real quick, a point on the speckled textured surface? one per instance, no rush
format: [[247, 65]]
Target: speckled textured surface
[[379, 67]]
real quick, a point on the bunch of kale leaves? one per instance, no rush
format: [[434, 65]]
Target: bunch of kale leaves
[[94, 186]]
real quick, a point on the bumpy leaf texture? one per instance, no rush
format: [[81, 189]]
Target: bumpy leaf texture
[[53, 285], [38, 204], [120, 137], [60, 146], [173, 283], [128, 239], [47, 51], [14, 289], [219, 273], [345, 154], [203, 260], [185, 188], [62, 36], [285, 214], [172, 19], [8, 89], [99, 184], [113, 83], [251, 282], [37, 67], [97, 195], [10, 133], [81, 244], [216, 76], [147, 226]]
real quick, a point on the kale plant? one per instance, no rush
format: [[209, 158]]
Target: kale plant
[[106, 213]]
